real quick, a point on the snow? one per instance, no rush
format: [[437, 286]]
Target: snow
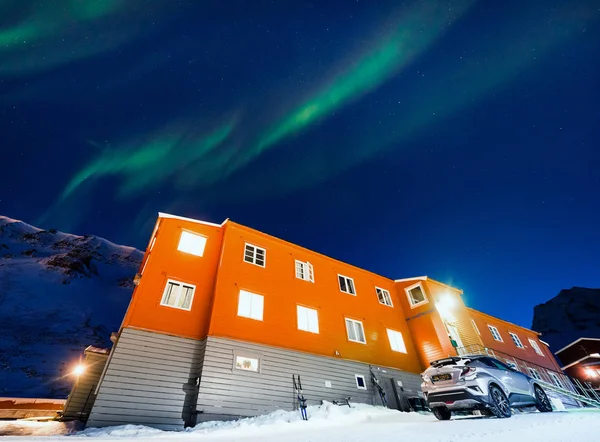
[[331, 423]]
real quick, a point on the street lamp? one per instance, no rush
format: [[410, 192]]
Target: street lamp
[[79, 369]]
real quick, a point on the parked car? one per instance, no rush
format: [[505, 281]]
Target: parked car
[[479, 383]]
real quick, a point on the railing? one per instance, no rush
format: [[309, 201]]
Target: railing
[[554, 380]]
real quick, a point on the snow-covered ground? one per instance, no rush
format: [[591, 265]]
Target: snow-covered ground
[[342, 424]]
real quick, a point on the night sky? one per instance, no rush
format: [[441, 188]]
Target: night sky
[[459, 140]]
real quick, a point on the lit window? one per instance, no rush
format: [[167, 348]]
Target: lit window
[[534, 373], [384, 296], [361, 382], [191, 243], [475, 327], [304, 270], [250, 305], [416, 295], [536, 347], [396, 341], [516, 340], [346, 285], [245, 363], [308, 319], [178, 295], [495, 333], [255, 255], [356, 332]]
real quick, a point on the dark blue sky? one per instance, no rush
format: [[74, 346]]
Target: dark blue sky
[[455, 139]]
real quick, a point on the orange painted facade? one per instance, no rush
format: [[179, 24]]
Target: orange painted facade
[[508, 346], [221, 272]]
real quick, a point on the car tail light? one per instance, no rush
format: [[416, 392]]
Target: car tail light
[[467, 371]]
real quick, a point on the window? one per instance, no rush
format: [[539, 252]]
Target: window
[[555, 379], [304, 270], [191, 243], [475, 327], [499, 364], [308, 319], [495, 333], [396, 341], [384, 296], [255, 255], [534, 373], [178, 295], [346, 285], [355, 330], [245, 363], [536, 347], [361, 382], [250, 305], [416, 295], [516, 340], [512, 365]]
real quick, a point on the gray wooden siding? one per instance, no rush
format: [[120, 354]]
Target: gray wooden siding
[[150, 380], [82, 397], [226, 392]]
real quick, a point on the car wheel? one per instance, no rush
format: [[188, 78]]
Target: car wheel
[[442, 413], [500, 406], [542, 403]]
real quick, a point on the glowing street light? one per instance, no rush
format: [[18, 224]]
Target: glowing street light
[[79, 370], [445, 306]]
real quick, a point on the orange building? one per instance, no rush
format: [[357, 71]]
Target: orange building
[[224, 315]]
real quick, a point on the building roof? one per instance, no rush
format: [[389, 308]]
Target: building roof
[[506, 322], [575, 342], [427, 278], [206, 223]]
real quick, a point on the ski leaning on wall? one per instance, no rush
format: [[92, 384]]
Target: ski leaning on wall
[[300, 396]]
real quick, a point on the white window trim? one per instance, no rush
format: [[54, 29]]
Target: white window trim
[[364, 378], [248, 356], [490, 327], [191, 232], [361, 326], [255, 249], [518, 339], [353, 285], [391, 304], [475, 326], [511, 363], [181, 283], [536, 348], [532, 370], [262, 313], [298, 325], [410, 302], [555, 379], [307, 270]]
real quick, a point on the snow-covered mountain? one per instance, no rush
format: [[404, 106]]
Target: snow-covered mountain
[[58, 294], [572, 314]]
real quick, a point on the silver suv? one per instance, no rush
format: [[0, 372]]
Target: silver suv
[[479, 383]]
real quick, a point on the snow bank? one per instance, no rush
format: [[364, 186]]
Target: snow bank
[[319, 417]]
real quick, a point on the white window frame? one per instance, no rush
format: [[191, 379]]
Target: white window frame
[[536, 347], [386, 294], [255, 300], [253, 259], [189, 251], [307, 269], [410, 299], [346, 278], [364, 379], [396, 341], [557, 381], [306, 311], [490, 328], [516, 340], [237, 356], [180, 284], [537, 373], [475, 326], [354, 322]]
